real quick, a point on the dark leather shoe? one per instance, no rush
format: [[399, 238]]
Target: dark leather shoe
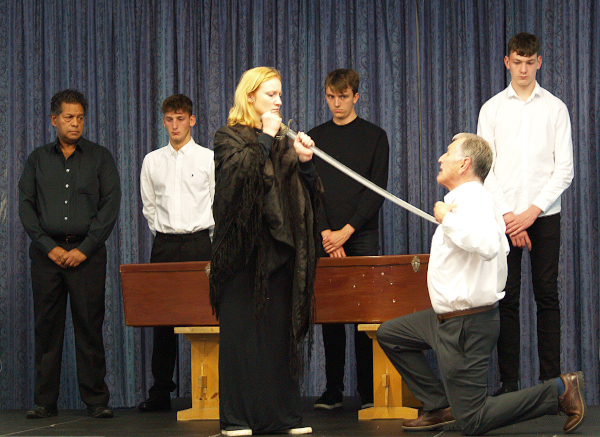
[[507, 387], [430, 420], [41, 412], [156, 404], [100, 412], [571, 402]]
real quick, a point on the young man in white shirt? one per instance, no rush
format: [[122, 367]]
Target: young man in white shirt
[[466, 277], [177, 184], [529, 131]]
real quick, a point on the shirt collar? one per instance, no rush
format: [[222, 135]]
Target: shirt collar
[[185, 149], [78, 145], [466, 187], [537, 91]]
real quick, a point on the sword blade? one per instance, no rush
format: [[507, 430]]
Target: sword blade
[[364, 181]]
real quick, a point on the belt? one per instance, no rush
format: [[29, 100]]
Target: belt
[[465, 312], [69, 238], [182, 237]]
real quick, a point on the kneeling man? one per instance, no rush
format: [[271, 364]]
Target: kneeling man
[[466, 277]]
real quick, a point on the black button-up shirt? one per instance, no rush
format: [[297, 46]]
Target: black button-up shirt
[[79, 196]]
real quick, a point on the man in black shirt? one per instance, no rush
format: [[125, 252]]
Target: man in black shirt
[[350, 221], [69, 197]]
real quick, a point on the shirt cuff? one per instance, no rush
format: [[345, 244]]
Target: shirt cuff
[[544, 206], [308, 171], [449, 222], [46, 243], [357, 222], [266, 141], [86, 247]]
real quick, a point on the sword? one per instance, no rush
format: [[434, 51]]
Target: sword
[[364, 181]]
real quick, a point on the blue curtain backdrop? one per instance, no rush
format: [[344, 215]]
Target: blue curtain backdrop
[[426, 68]]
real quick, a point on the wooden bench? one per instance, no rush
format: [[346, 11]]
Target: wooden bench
[[364, 290]]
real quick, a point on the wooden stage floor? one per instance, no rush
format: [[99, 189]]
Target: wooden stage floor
[[335, 423]]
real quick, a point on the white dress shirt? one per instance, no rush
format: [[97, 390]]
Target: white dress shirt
[[467, 265], [533, 150], [178, 188]]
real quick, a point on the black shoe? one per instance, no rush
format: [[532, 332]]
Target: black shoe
[[41, 412], [100, 411], [507, 387], [331, 399], [156, 404]]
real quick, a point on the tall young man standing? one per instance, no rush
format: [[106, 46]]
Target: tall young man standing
[[529, 131]]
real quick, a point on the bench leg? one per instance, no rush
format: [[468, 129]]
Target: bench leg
[[391, 397], [205, 378]]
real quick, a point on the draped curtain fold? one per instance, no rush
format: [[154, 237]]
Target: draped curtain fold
[[426, 68]]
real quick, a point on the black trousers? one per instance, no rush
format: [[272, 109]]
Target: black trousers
[[545, 240], [362, 243], [172, 248], [85, 285]]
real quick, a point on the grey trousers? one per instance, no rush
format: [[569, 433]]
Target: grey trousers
[[463, 346]]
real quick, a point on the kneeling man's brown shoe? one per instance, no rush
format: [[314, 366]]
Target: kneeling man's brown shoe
[[571, 402], [430, 420]]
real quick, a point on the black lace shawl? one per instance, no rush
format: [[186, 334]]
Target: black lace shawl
[[253, 199]]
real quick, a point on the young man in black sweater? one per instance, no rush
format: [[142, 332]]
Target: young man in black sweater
[[349, 223]]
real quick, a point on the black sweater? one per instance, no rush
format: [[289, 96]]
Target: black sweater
[[363, 147]]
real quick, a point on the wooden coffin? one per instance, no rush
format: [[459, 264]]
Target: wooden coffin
[[362, 289]]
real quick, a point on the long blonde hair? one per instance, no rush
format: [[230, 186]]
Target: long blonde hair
[[242, 112]]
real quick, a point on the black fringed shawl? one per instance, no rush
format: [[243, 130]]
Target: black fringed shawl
[[253, 199]]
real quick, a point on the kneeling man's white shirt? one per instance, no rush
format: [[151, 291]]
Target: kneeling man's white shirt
[[467, 266]]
